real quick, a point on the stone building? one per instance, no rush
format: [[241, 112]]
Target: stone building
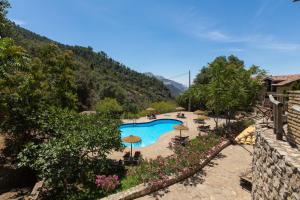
[[276, 163]]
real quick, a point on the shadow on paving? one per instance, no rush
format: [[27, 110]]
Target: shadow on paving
[[194, 180]]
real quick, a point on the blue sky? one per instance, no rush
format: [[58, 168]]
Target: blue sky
[[169, 37]]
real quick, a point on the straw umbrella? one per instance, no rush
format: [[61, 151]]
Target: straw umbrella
[[181, 127], [131, 139], [179, 109], [199, 112], [150, 109], [202, 117]]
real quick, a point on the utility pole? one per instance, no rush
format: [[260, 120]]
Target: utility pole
[[190, 100]]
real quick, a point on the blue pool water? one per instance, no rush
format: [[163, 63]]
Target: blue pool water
[[149, 132]]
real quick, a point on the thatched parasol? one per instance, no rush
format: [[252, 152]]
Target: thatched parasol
[[199, 112], [131, 139], [150, 109], [202, 117], [180, 109], [181, 127]]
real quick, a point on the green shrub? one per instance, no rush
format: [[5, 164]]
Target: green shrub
[[76, 149], [129, 182], [154, 170], [164, 106], [109, 107]]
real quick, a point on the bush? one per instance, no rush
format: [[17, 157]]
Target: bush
[[185, 158], [107, 183], [164, 106], [76, 149], [109, 107]]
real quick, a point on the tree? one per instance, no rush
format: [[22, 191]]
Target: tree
[[75, 150], [109, 107], [225, 86], [3, 21], [232, 87], [18, 98], [57, 68]]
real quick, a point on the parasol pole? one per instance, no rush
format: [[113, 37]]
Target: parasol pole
[[131, 150]]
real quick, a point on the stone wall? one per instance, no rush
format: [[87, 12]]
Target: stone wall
[[276, 168], [293, 134]]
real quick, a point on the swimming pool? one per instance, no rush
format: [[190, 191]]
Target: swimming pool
[[149, 132]]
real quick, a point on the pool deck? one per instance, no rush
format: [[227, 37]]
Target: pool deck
[[160, 148]]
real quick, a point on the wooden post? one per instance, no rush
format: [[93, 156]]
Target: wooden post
[[277, 115], [190, 100], [279, 122]]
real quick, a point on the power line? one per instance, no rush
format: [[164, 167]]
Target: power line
[[178, 75]]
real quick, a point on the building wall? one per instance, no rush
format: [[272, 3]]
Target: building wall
[[293, 134], [276, 168]]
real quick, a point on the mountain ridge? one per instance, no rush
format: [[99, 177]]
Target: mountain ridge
[[98, 75], [174, 87]]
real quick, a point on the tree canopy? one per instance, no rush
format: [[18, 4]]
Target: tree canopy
[[225, 86]]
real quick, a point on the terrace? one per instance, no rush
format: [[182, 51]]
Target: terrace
[[160, 147]]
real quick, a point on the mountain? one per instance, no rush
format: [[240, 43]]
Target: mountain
[[174, 87], [98, 76]]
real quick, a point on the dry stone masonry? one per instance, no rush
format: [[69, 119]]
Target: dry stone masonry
[[276, 168], [293, 134]]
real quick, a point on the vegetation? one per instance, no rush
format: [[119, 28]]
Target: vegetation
[[97, 75], [109, 108], [76, 148], [185, 158], [38, 109], [164, 106], [43, 85], [224, 87]]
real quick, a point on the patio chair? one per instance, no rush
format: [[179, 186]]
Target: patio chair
[[126, 158], [198, 121], [180, 140], [137, 157]]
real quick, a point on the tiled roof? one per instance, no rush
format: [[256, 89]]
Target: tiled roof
[[284, 79]]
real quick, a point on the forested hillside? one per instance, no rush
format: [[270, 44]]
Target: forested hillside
[[97, 75]]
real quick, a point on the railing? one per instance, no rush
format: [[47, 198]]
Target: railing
[[277, 115], [283, 98]]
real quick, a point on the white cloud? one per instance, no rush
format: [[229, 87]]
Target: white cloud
[[194, 25], [279, 46], [18, 22], [231, 50], [216, 35]]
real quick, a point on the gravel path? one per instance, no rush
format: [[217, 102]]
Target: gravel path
[[219, 180]]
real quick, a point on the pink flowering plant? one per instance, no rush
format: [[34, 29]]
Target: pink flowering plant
[[184, 160], [107, 183]]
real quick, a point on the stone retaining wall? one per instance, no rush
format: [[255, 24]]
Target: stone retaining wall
[[276, 168]]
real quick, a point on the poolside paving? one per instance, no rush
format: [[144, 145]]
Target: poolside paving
[[160, 148], [217, 181]]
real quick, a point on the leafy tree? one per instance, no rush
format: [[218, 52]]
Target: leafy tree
[[109, 107], [18, 98], [203, 77], [3, 21], [232, 87], [58, 68], [76, 150], [224, 87], [29, 85]]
